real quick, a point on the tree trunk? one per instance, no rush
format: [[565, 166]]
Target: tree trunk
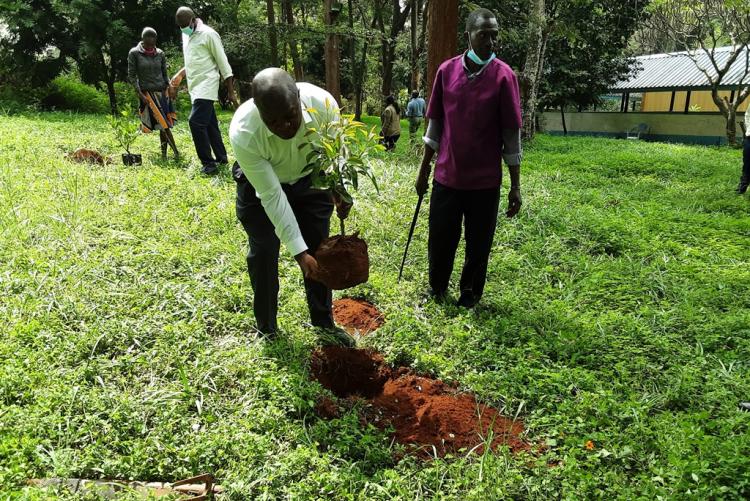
[[562, 114], [352, 51], [272, 38], [422, 44], [332, 54], [388, 51], [414, 47], [533, 67], [729, 111], [442, 25], [111, 91], [288, 14]]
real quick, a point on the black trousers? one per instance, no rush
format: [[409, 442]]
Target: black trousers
[[313, 209], [745, 178], [449, 209], [204, 128]]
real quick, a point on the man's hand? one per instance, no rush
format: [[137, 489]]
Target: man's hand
[[342, 206], [308, 264], [514, 202], [232, 97], [423, 179]]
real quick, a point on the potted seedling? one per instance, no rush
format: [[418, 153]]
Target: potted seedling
[[126, 132], [340, 150]]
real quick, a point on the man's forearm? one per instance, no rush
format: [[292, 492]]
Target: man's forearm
[[229, 82], [178, 77], [515, 176]]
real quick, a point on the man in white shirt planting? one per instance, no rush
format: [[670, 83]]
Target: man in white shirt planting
[[276, 202]]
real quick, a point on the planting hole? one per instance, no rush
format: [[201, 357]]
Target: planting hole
[[348, 372]]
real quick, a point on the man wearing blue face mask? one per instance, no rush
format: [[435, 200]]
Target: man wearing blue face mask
[[206, 65], [474, 126]]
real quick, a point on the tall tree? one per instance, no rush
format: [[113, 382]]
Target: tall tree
[[288, 14], [540, 25], [703, 26], [332, 52], [416, 8], [442, 29], [390, 11], [272, 35]]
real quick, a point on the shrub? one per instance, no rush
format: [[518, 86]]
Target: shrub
[[67, 93]]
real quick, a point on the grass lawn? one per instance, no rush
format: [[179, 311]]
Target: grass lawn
[[617, 314]]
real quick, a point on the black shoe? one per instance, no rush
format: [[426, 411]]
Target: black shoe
[[741, 189], [336, 336], [745, 406], [467, 300], [268, 334], [209, 170], [437, 296]]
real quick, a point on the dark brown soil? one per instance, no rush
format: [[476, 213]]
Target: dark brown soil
[[348, 372], [426, 413], [343, 262], [357, 315]]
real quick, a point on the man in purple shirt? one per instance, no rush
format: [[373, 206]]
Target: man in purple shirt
[[474, 123]]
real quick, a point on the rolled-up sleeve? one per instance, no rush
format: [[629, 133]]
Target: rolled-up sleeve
[[220, 57], [433, 134], [512, 152], [260, 173]]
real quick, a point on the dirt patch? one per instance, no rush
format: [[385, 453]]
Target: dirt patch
[[82, 155], [343, 262], [357, 315], [425, 413]]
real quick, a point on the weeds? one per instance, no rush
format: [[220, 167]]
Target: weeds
[[616, 315]]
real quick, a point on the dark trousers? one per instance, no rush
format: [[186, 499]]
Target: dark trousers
[[449, 208], [390, 142], [313, 209], [745, 179], [206, 134]]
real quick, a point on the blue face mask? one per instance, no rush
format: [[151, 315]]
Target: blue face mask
[[187, 30], [474, 57]]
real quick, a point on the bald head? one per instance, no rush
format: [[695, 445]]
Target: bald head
[[184, 16], [274, 88], [276, 96]]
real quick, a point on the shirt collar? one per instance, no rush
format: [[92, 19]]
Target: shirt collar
[[306, 115], [198, 25], [468, 71]]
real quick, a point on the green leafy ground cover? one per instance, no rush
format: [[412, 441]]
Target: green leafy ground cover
[[617, 311]]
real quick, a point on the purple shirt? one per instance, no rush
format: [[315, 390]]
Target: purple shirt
[[473, 112]]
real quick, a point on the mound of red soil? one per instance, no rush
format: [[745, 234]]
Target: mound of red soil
[[343, 262], [83, 155], [357, 315], [424, 412]]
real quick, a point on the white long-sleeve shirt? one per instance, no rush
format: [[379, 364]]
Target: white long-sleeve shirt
[[268, 161], [747, 122], [206, 64]]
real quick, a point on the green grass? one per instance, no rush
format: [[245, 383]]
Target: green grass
[[617, 310]]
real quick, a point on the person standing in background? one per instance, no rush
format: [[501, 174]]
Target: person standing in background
[[391, 123], [147, 72], [206, 65], [745, 177], [415, 113]]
